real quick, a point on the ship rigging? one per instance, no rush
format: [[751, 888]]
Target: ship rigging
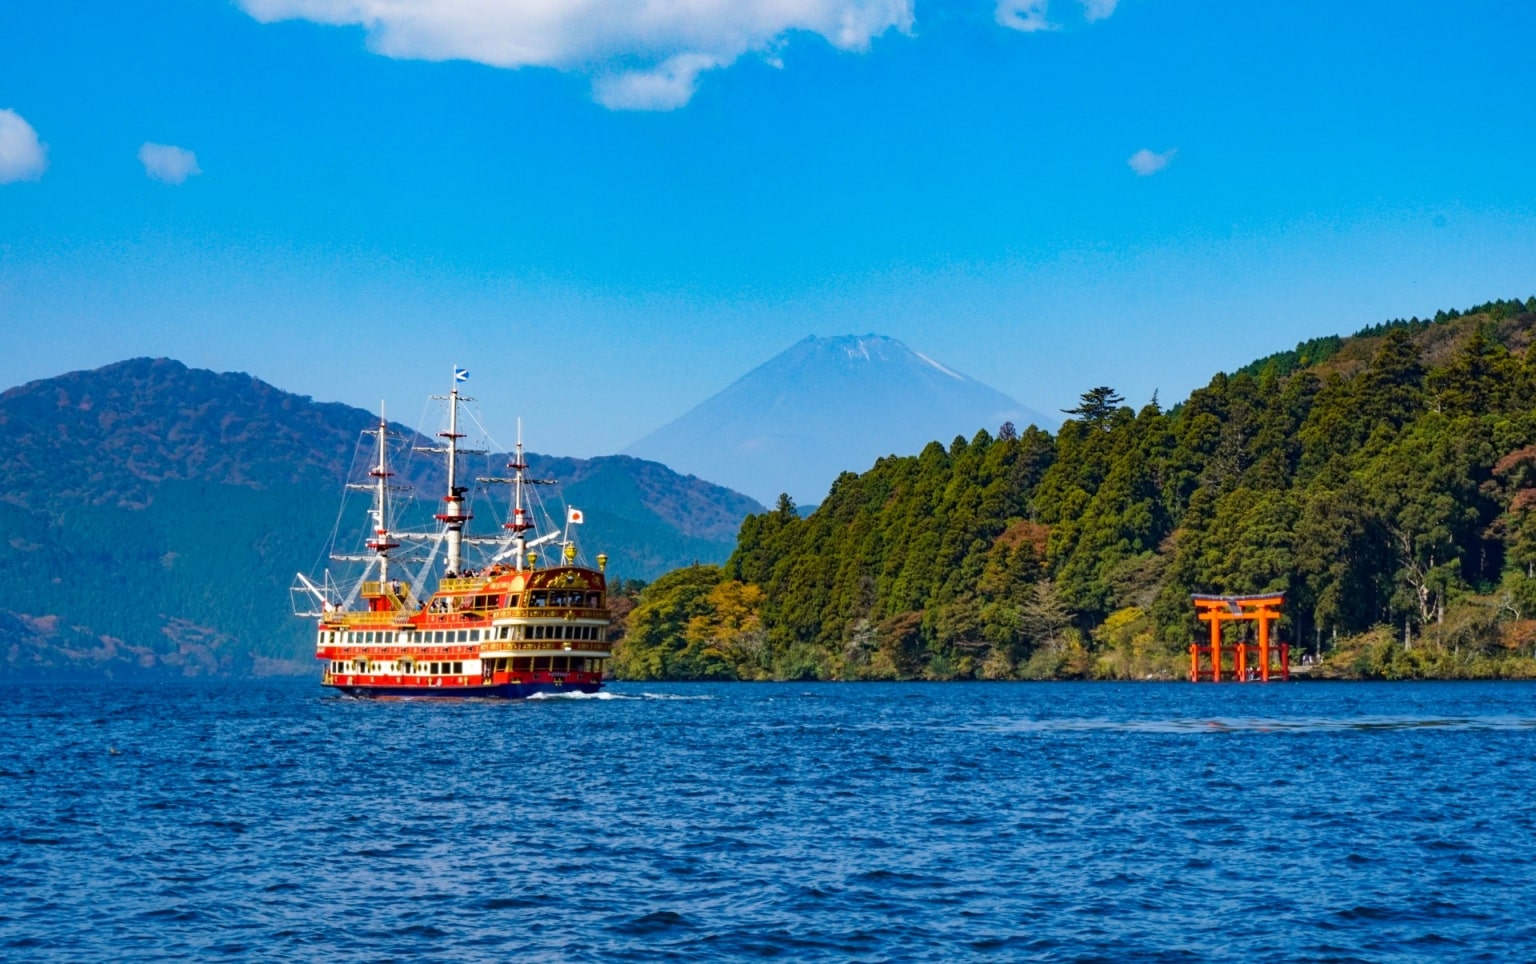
[[512, 625]]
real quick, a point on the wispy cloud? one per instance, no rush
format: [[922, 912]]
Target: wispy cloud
[[1145, 162], [22, 156], [1098, 9], [1025, 15], [667, 87], [641, 56], [167, 163], [1032, 15]]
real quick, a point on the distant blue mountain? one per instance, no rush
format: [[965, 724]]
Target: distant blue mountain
[[825, 406]]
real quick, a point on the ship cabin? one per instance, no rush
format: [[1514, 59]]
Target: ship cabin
[[499, 626]]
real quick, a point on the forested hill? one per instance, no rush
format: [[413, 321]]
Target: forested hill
[[1386, 482], [155, 515]]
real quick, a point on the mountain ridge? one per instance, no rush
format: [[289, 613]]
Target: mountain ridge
[[155, 515], [824, 406]]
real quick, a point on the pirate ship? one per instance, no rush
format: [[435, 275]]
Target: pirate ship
[[523, 616]]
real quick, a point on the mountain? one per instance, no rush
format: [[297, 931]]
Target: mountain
[[1384, 483], [154, 516], [826, 406]]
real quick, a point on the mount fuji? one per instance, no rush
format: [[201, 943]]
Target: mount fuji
[[825, 406]]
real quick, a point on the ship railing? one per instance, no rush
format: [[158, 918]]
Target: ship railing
[[396, 591], [369, 620], [547, 645], [549, 612]]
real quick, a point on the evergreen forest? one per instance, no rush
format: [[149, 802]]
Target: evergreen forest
[[1384, 482]]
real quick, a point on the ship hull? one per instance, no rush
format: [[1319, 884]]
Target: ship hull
[[491, 691]]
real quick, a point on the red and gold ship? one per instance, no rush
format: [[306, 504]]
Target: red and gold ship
[[511, 628]]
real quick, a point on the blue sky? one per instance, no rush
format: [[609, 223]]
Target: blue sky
[[608, 217]]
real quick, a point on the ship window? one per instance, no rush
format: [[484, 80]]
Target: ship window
[[458, 668], [474, 635], [437, 637], [515, 600], [540, 599]]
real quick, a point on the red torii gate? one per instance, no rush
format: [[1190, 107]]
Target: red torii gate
[[1263, 609]]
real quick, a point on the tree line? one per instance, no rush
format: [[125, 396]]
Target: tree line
[[1385, 482]]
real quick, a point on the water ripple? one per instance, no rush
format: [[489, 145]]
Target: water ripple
[[801, 821]]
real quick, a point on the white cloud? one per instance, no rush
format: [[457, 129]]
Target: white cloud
[[1032, 15], [167, 163], [642, 55], [667, 87], [22, 156], [1025, 15], [1145, 162]]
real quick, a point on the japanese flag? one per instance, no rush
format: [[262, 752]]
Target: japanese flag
[[573, 517]]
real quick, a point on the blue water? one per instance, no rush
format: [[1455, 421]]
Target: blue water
[[1051, 822]]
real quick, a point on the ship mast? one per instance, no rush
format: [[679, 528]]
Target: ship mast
[[381, 474], [519, 523], [454, 514], [521, 520], [380, 539]]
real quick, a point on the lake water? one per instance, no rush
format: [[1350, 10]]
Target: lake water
[[1053, 822]]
